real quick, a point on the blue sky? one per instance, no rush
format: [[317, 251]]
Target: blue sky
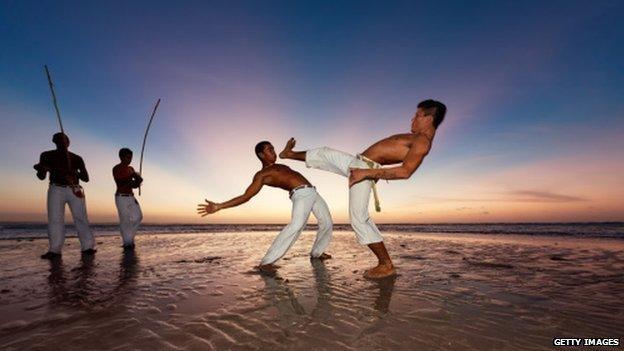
[[533, 91]]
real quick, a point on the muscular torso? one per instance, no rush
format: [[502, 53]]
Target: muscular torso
[[392, 150], [281, 176], [63, 171], [124, 178]]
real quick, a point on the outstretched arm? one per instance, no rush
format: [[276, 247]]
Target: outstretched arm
[[253, 189], [413, 159]]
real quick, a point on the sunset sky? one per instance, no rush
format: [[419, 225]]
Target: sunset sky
[[534, 90]]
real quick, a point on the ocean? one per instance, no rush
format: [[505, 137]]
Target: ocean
[[613, 230]]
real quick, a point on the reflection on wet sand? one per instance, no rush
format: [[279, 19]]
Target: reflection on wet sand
[[453, 294], [284, 298], [386, 287], [74, 290], [128, 268], [81, 287]]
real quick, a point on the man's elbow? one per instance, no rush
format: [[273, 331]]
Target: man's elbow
[[406, 173]]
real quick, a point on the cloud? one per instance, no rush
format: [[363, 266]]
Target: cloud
[[513, 196], [543, 196]]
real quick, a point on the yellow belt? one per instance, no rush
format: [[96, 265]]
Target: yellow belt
[[373, 165]]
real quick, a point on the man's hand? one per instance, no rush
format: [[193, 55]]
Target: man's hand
[[356, 175], [41, 168], [208, 208]]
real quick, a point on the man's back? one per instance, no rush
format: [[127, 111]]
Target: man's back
[[63, 170]]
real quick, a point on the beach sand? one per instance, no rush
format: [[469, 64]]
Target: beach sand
[[198, 291]]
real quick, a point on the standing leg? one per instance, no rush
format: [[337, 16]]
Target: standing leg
[[124, 210], [136, 217], [78, 209], [303, 201], [324, 233], [56, 218], [366, 231]]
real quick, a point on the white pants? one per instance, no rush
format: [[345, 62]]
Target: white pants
[[58, 196], [339, 162], [304, 201], [130, 217]]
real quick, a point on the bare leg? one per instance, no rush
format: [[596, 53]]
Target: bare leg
[[385, 267], [288, 152]]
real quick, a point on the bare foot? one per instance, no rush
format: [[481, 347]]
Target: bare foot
[[288, 148], [322, 257], [381, 271], [267, 268]]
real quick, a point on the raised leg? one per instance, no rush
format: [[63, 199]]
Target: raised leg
[[288, 152]]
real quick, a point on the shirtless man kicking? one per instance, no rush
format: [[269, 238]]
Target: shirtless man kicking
[[304, 197], [128, 208], [405, 151]]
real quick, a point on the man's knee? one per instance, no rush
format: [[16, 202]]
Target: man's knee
[[296, 226], [325, 225], [358, 217]]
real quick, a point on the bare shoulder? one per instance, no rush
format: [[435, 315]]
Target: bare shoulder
[[421, 143], [117, 169], [261, 174], [281, 167]]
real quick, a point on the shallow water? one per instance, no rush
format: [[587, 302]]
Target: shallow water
[[197, 291]]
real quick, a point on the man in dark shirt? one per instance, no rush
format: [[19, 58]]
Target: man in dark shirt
[[66, 170], [128, 208]]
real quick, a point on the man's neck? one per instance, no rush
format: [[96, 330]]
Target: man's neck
[[428, 132], [266, 164]]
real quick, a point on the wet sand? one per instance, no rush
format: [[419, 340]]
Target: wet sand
[[198, 292]]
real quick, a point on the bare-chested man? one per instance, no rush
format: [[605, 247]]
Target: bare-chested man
[[66, 170], [304, 197], [406, 151], [128, 208]]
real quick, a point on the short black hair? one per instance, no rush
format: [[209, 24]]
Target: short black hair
[[260, 147], [123, 152], [435, 109], [58, 137]]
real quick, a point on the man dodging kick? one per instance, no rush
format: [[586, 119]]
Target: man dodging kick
[[304, 197]]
